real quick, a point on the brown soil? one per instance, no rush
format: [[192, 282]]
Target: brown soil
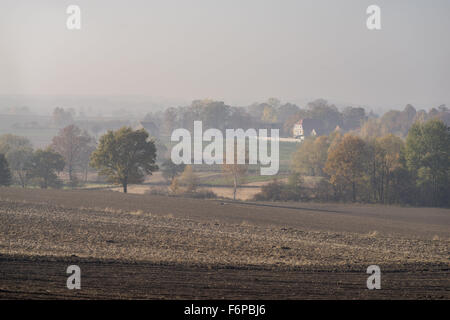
[[141, 246]]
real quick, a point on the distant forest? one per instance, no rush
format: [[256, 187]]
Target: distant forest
[[269, 114], [274, 114]]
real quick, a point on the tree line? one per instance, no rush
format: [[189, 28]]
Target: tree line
[[269, 114], [386, 169], [283, 116], [355, 166]]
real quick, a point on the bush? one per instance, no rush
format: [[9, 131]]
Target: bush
[[279, 191], [201, 194], [182, 192], [158, 191], [270, 192]]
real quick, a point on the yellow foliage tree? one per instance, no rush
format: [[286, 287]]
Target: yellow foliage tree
[[189, 179], [346, 165]]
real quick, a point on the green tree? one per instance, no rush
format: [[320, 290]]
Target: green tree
[[125, 156], [19, 160], [352, 118], [428, 159], [18, 152], [301, 161], [44, 166], [215, 114], [5, 173], [329, 114]]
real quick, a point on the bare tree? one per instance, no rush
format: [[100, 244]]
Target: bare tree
[[75, 147], [85, 158], [235, 171]]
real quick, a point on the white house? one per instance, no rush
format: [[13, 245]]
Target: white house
[[307, 127]]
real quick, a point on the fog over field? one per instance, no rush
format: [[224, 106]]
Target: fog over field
[[225, 149]]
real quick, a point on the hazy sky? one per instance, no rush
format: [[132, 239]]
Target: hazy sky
[[238, 51]]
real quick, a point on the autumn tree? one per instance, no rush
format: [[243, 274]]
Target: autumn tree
[[9, 142], [188, 179], [75, 147], [5, 173], [371, 129], [269, 114], [398, 122], [334, 139], [384, 162], [44, 166], [346, 165], [125, 156]]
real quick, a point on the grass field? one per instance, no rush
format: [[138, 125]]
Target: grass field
[[286, 150], [141, 246]]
